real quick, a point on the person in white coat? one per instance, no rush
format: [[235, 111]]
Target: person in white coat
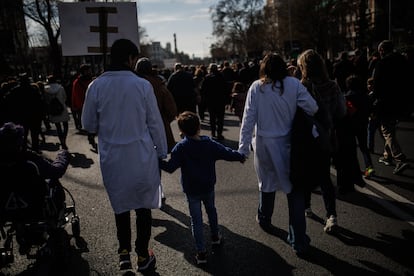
[[122, 110], [268, 115]]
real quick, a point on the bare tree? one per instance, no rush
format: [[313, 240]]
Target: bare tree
[[238, 23], [45, 13], [271, 36]]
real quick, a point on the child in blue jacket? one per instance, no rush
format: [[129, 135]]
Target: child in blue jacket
[[196, 155]]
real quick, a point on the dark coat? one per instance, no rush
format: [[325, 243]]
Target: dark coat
[[23, 105], [181, 86], [166, 105], [214, 89], [392, 88], [308, 155]]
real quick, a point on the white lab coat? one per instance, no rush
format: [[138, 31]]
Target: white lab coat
[[122, 110], [268, 116]]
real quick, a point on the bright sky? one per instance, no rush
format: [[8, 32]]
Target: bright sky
[[190, 20]]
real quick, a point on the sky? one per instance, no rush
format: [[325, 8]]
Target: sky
[[190, 20]]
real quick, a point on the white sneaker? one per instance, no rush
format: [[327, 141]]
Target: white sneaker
[[331, 224]]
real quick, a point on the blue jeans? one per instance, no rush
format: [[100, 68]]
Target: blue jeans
[[297, 237], [194, 205]]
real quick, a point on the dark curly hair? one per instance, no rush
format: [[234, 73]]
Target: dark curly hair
[[272, 69]]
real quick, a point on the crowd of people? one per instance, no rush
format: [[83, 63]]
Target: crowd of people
[[131, 105]]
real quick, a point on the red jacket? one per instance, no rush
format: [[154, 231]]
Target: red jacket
[[79, 87]]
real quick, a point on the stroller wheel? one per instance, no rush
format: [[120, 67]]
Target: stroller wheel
[[75, 226]]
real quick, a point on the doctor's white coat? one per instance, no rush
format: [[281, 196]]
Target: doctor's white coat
[[122, 110], [268, 115]]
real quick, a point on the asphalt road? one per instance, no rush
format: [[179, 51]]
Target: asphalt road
[[375, 237]]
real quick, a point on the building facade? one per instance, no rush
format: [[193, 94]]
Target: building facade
[[14, 45], [332, 26]]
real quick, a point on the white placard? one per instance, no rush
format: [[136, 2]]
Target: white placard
[[82, 30], [169, 63]]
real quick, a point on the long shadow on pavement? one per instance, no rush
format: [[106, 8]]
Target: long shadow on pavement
[[393, 247], [237, 255], [79, 160], [331, 263]]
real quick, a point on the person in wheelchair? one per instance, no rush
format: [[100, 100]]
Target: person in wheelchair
[[13, 152], [30, 191]]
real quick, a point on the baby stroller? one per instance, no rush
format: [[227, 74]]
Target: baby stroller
[[33, 213]]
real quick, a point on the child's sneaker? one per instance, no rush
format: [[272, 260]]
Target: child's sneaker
[[216, 240], [201, 257], [369, 171], [124, 260], [146, 263]]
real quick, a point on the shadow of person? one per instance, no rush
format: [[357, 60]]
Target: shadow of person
[[70, 262], [393, 247], [76, 264], [152, 272], [128, 273], [80, 244], [374, 203], [393, 181], [337, 266], [259, 259], [50, 146], [79, 160], [237, 255]]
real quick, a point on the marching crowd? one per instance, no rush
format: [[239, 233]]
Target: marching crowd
[[304, 115]]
